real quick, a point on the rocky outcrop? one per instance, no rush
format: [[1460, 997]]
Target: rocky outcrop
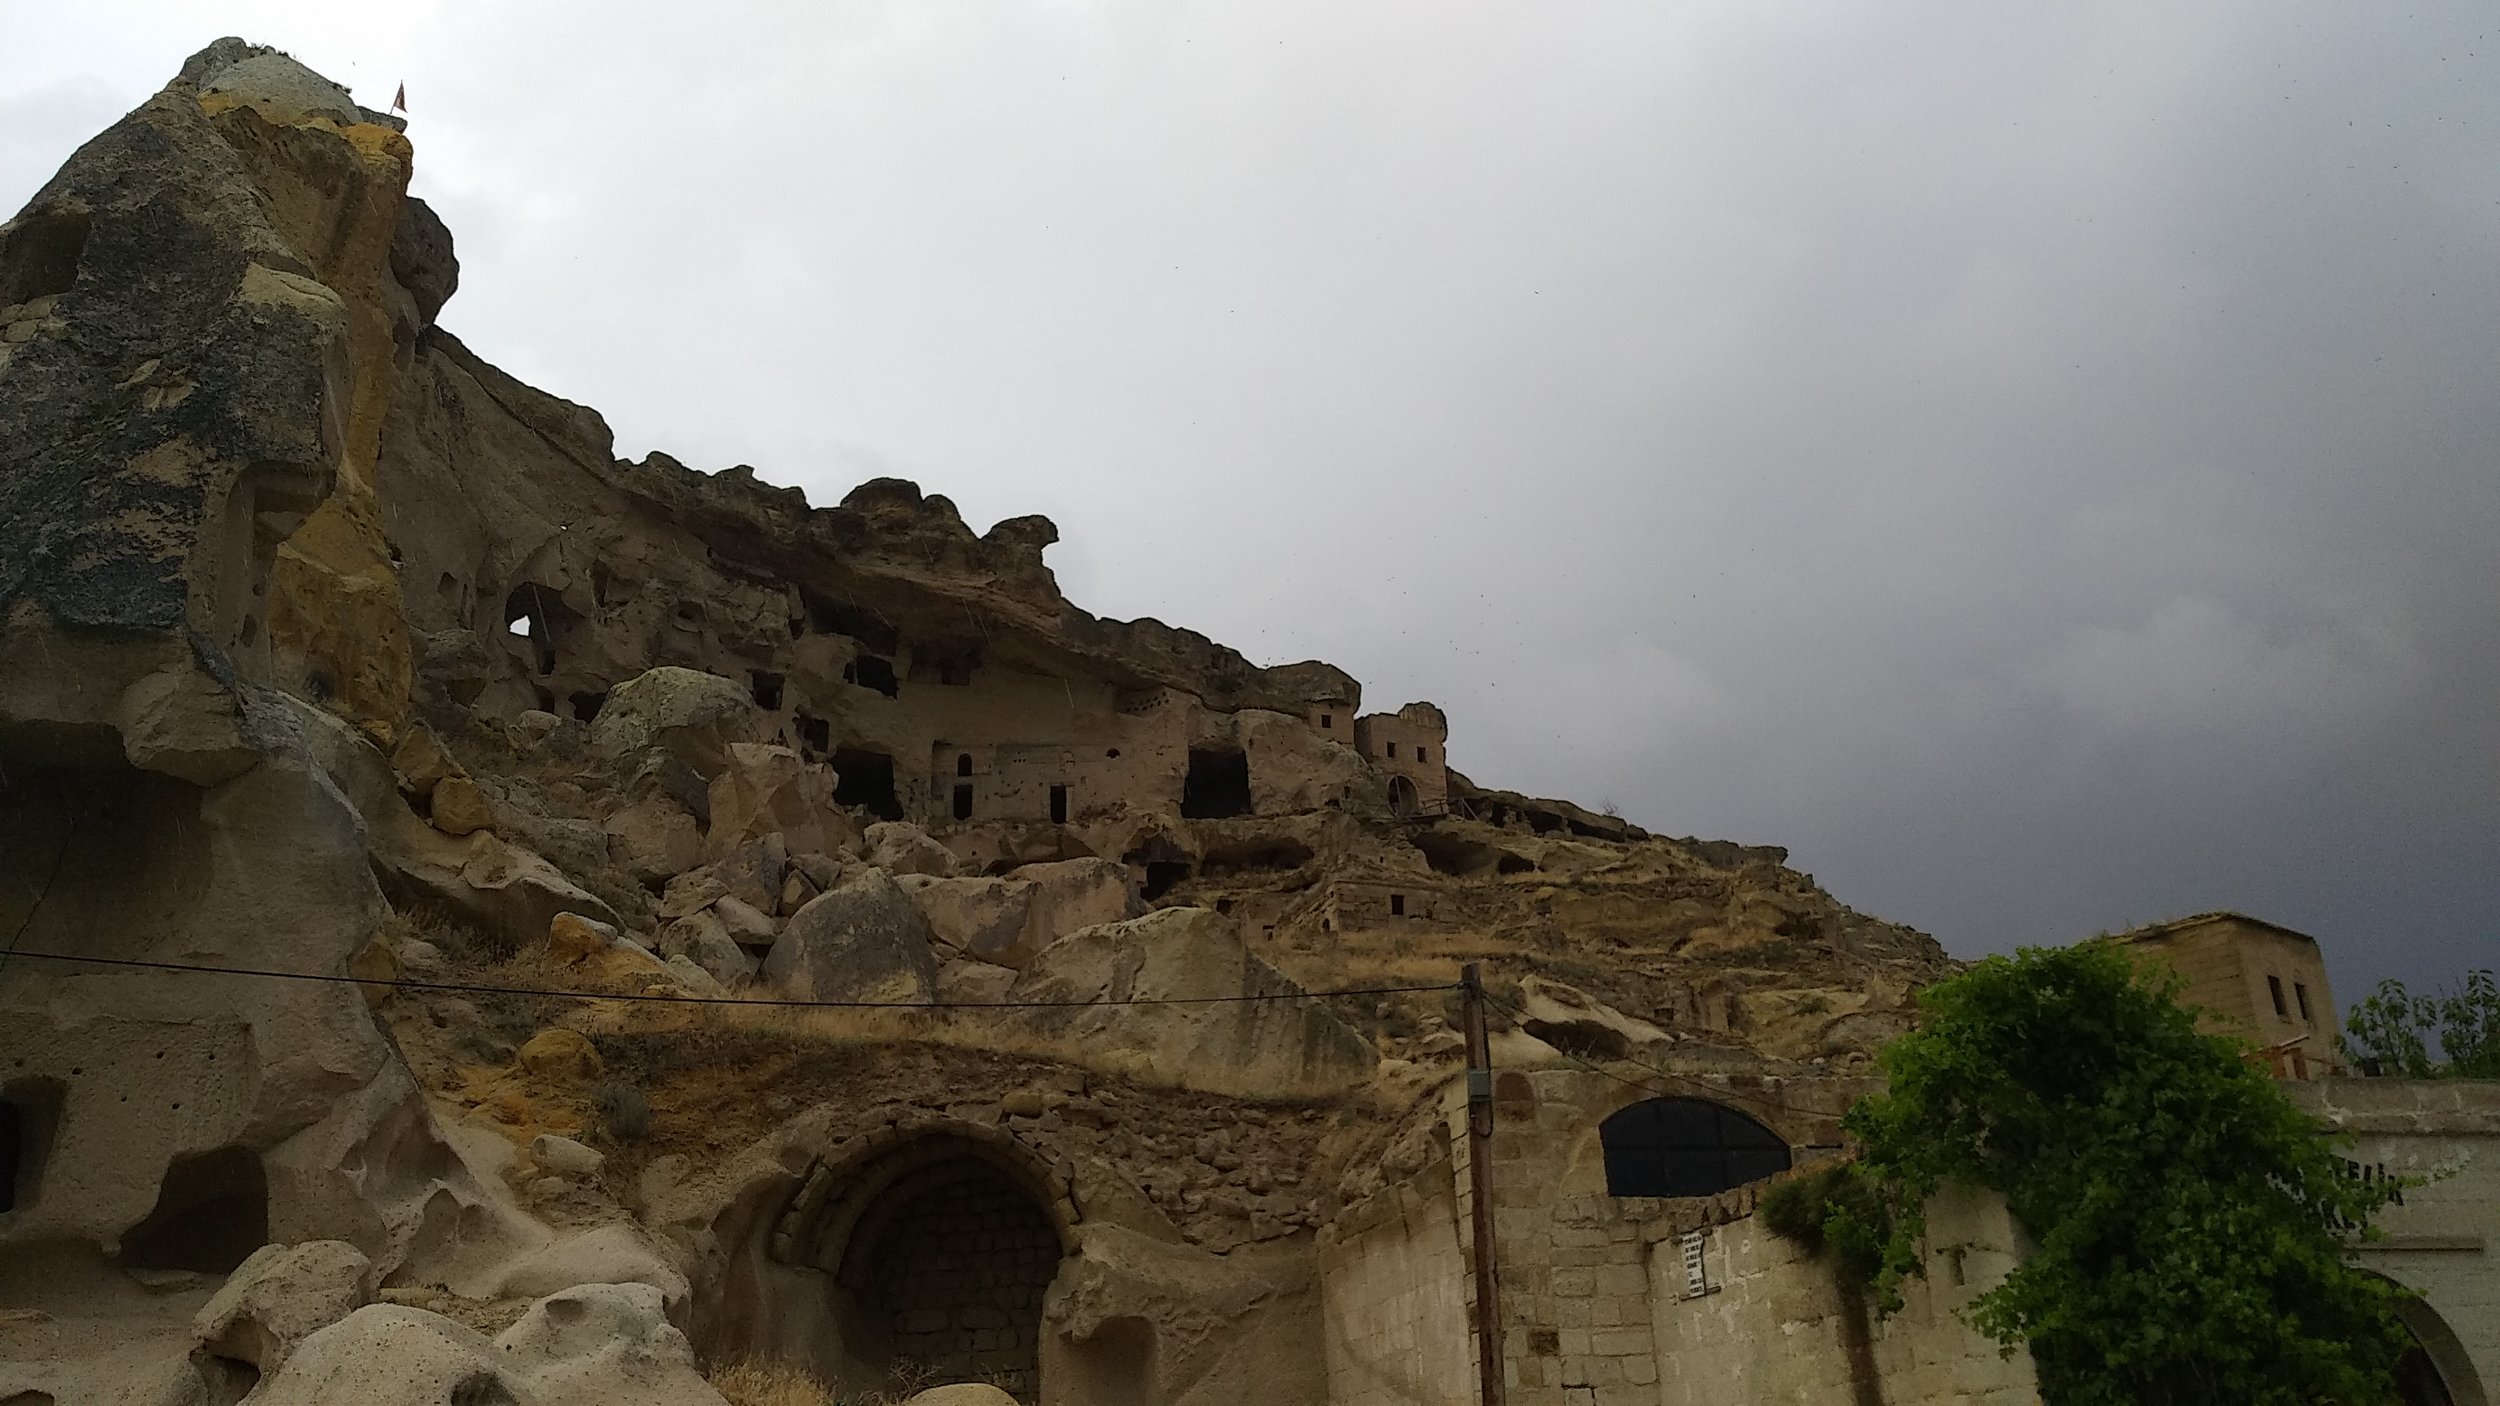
[[338, 652]]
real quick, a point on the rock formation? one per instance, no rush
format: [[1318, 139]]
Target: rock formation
[[333, 650]]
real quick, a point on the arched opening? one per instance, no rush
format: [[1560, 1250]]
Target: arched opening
[[2437, 1371], [1404, 799], [212, 1211], [940, 1251], [1686, 1147]]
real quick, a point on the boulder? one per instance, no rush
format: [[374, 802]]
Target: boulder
[[564, 1156], [692, 715], [654, 839], [1283, 1045], [900, 847], [388, 1355], [960, 1394], [420, 761], [279, 1297], [771, 790], [573, 938], [460, 808], [604, 1345], [1068, 896], [747, 926], [692, 979], [704, 940], [559, 1053], [617, 1253], [865, 941], [976, 917], [1572, 1020], [515, 890]]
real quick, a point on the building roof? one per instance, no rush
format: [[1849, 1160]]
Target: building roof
[[2156, 932]]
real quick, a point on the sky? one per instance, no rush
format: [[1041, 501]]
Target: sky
[[2039, 464]]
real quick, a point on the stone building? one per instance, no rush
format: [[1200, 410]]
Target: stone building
[[1409, 745], [2258, 981]]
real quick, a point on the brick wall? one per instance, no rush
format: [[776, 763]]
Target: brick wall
[[959, 1271]]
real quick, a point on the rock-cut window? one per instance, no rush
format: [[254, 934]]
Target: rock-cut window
[[1686, 1147]]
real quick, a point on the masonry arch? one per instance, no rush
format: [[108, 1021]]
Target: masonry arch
[[2438, 1371], [1687, 1147], [1404, 799], [938, 1245]]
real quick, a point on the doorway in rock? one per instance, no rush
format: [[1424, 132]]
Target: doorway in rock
[[1217, 784], [866, 779], [944, 1270]]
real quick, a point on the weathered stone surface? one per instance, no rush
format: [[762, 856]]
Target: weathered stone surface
[[558, 1053], [745, 924], [566, 1157], [865, 941], [280, 1296], [1193, 955], [704, 940], [609, 1254], [388, 1355], [654, 840], [572, 938], [960, 1394], [899, 847], [604, 1344], [766, 790], [460, 808], [693, 715]]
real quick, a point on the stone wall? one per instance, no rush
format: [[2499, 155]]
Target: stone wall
[[958, 1274], [1394, 1297], [1769, 1325], [2441, 1241]]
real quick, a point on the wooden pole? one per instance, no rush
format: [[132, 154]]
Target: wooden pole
[[1480, 1188]]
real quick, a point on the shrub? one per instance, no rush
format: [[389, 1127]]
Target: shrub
[[624, 1112]]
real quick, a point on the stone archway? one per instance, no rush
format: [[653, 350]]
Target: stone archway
[[1404, 799], [2438, 1372], [937, 1245]]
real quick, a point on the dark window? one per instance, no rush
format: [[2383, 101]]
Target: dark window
[[1686, 1147], [211, 1212], [1058, 805], [1397, 905], [1218, 784], [2274, 988], [815, 734], [1393, 751], [767, 690], [1423, 754], [963, 802], [866, 779], [963, 764], [1327, 720], [873, 631], [2300, 993], [1161, 875], [869, 671]]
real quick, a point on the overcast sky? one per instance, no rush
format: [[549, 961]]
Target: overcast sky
[[2041, 464]]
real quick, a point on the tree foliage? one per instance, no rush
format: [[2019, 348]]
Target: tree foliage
[[2189, 1218], [2392, 1031]]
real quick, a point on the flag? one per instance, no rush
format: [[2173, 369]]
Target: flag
[[400, 103]]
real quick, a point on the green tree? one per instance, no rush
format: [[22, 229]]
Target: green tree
[[2189, 1218], [2392, 1032]]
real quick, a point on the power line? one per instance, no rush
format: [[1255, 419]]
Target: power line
[[485, 988]]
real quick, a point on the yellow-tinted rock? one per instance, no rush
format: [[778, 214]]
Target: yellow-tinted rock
[[558, 1053], [375, 962], [572, 937], [460, 808], [421, 762]]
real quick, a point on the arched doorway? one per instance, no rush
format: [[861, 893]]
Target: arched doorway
[[1686, 1147], [1404, 799], [2437, 1372], [939, 1249]]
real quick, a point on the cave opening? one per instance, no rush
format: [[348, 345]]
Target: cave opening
[[212, 1212], [1218, 784], [40, 259], [865, 779], [871, 672]]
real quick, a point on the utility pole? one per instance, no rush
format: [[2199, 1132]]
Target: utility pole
[[1480, 1187]]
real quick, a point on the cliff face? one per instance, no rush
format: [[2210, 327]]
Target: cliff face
[[331, 648]]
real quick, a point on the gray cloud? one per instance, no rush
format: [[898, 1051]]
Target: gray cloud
[[2038, 465]]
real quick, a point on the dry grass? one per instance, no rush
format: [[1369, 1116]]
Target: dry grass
[[750, 1382]]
